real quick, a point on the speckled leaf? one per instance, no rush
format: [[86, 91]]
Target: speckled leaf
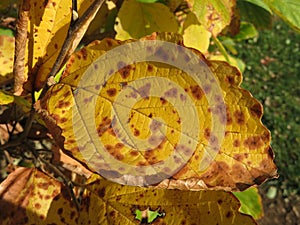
[[244, 157], [26, 196], [136, 19], [47, 24], [214, 15], [7, 48], [111, 203]]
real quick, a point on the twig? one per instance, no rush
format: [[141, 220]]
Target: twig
[[73, 30]]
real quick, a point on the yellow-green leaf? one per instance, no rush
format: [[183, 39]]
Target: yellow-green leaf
[[250, 202], [136, 19], [144, 134], [214, 15], [111, 203], [5, 98]]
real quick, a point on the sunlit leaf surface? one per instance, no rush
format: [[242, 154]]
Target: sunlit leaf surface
[[243, 158], [214, 15], [136, 20], [111, 203], [47, 26]]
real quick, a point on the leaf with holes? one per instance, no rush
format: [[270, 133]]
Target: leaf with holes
[[146, 123], [111, 203]]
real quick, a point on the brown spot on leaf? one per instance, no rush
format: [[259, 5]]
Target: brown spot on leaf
[[253, 142], [163, 101], [37, 205], [256, 110], [134, 153], [230, 80], [150, 68], [60, 211], [236, 143], [101, 192], [229, 214], [109, 43], [125, 71], [207, 133], [104, 126], [239, 117], [196, 92], [136, 132], [43, 185], [111, 92]]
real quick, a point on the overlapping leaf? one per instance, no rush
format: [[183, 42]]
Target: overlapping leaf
[[111, 203], [26, 196], [213, 15], [146, 17], [31, 197], [46, 23], [244, 158]]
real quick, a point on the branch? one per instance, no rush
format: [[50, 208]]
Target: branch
[[75, 33]]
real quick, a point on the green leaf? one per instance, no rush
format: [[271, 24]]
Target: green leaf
[[6, 32], [5, 98], [136, 19], [288, 10], [249, 12], [247, 30], [260, 3], [251, 202]]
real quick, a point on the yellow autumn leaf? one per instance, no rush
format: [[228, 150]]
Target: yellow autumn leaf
[[136, 20], [195, 35], [47, 24], [26, 195], [7, 48], [111, 203], [146, 122]]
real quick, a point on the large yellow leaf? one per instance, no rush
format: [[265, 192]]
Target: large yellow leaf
[[28, 196], [150, 130], [136, 19], [111, 203]]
